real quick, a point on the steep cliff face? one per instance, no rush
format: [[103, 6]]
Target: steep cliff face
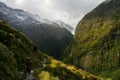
[[96, 46], [51, 37]]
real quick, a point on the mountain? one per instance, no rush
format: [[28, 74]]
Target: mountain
[[96, 46], [51, 37], [16, 48], [68, 27]]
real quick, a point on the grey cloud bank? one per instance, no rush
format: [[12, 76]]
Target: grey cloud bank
[[68, 11]]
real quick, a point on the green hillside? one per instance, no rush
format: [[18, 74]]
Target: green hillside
[[7, 64], [18, 48], [15, 48], [96, 46]]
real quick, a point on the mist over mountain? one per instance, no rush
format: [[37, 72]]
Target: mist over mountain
[[51, 37]]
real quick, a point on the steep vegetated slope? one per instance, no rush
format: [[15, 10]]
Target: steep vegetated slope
[[16, 48], [7, 64], [50, 37], [96, 47]]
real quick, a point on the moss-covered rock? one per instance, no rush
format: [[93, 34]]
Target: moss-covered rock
[[8, 65]]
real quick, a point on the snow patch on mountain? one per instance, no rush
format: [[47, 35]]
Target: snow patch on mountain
[[62, 24], [23, 16]]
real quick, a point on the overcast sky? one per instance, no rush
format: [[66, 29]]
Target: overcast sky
[[68, 11]]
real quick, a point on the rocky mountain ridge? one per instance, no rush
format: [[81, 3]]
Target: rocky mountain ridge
[[50, 37]]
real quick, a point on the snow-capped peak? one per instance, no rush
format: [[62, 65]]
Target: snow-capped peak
[[67, 26]]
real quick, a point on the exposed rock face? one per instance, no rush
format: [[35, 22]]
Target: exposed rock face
[[50, 37], [96, 46]]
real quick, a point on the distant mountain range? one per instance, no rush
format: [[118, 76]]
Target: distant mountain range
[[51, 37]]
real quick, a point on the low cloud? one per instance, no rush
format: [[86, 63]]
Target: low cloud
[[69, 11]]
